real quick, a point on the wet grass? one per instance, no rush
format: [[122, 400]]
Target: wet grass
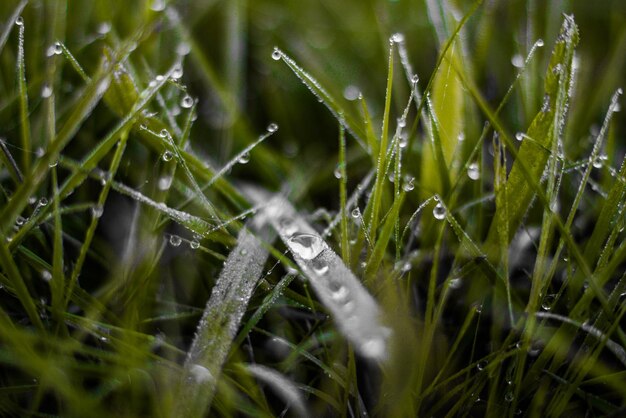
[[284, 209]]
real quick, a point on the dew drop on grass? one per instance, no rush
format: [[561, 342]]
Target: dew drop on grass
[[272, 127], [194, 245], [517, 61], [519, 136], [58, 49], [306, 246], [20, 221], [598, 162], [481, 365], [415, 79], [53, 163], [439, 211], [351, 92], [320, 267], [200, 374], [539, 42], [397, 37], [276, 54], [167, 156], [158, 5], [42, 202], [337, 172], [404, 141], [164, 183], [408, 184], [244, 158], [97, 211], [509, 397], [473, 171], [545, 106], [455, 283], [177, 72], [547, 302], [461, 137], [186, 102], [164, 133], [243, 251], [374, 347], [175, 240], [104, 28], [356, 213], [19, 21], [392, 177], [46, 91], [401, 122], [338, 292], [46, 275]]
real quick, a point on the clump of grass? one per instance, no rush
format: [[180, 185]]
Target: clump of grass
[[460, 228]]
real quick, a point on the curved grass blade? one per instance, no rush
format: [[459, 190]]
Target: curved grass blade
[[284, 387], [22, 92]]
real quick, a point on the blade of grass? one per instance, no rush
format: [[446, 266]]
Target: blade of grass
[[22, 91]]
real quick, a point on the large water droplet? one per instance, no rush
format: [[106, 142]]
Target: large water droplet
[[374, 347], [272, 127], [403, 141], [351, 92], [306, 246], [46, 275], [200, 373], [276, 54], [43, 201], [167, 156], [19, 21], [244, 158], [337, 173], [194, 245], [481, 365], [548, 302], [320, 267], [439, 211], [397, 37], [508, 397], [164, 183], [408, 184], [97, 211], [473, 171], [46, 91], [177, 72], [186, 102], [338, 291], [539, 42], [356, 213], [519, 136], [517, 61]]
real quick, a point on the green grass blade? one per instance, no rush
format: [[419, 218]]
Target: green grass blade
[[10, 23], [22, 91]]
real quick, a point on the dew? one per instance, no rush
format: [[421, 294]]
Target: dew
[[356, 213], [177, 72], [20, 221], [175, 240], [351, 92], [339, 292], [53, 163], [42, 202], [97, 211], [535, 348], [337, 173], [455, 283], [374, 347], [598, 162], [406, 267], [401, 122], [32, 200], [481, 365], [408, 184], [508, 397], [164, 133], [439, 212], [104, 28], [539, 42], [46, 275], [243, 251], [320, 267], [392, 177], [461, 137], [19, 21], [186, 102], [415, 79], [478, 307], [547, 302], [244, 158], [397, 38], [517, 61], [158, 5], [276, 54], [306, 246], [200, 373], [473, 171], [519, 136], [57, 48], [545, 106], [167, 156], [164, 183], [272, 127], [46, 91], [194, 245], [404, 141]]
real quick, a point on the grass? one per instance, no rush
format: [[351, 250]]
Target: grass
[[380, 208]]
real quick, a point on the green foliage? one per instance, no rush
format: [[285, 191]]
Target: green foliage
[[391, 250]]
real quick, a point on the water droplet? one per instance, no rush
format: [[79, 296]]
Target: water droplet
[[164, 133], [167, 156], [545, 106], [42, 202], [46, 91], [186, 102], [175, 240], [415, 79], [517, 61], [548, 302], [356, 213], [306, 246], [104, 28], [392, 177], [478, 307], [276, 54], [404, 141], [481, 365], [439, 212], [598, 162], [158, 5], [177, 72], [455, 283], [408, 184], [272, 127], [320, 267], [46, 275], [339, 292], [200, 373], [53, 164], [351, 92], [461, 137], [20, 221], [509, 397], [535, 348], [539, 42], [397, 37], [374, 347], [194, 245], [243, 251], [337, 173], [519, 136], [401, 122], [244, 158], [58, 48], [164, 183], [183, 49], [473, 171], [97, 211], [406, 267], [19, 21]]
